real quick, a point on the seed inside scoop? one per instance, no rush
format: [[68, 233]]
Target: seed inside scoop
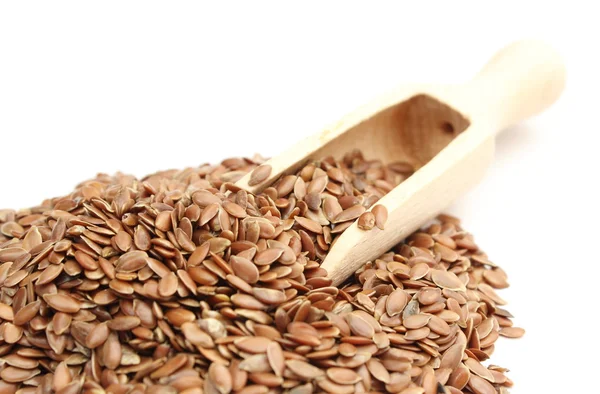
[[181, 282]]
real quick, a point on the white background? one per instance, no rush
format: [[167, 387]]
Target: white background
[[139, 86]]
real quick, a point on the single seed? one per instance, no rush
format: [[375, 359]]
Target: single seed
[[86, 261], [349, 214], [132, 261], [396, 302], [269, 296], [304, 369], [259, 175], [347, 349], [28, 312], [167, 286], [170, 367], [343, 375], [276, 358], [381, 215], [480, 386], [62, 303], [267, 256], [331, 208], [244, 269], [12, 333], [62, 377], [123, 241], [253, 344], [17, 375], [418, 334], [478, 369], [512, 332], [378, 370], [22, 362], [220, 377], [203, 198], [112, 351], [234, 210], [163, 221], [50, 273], [209, 213], [447, 280], [178, 316], [124, 323], [360, 326], [97, 336], [366, 221], [416, 321], [309, 224], [196, 335]]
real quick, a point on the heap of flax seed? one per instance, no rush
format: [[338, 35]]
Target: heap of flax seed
[[182, 283]]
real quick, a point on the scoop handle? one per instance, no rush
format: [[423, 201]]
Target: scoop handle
[[520, 81]]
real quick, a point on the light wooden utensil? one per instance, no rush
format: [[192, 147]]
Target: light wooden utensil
[[446, 131]]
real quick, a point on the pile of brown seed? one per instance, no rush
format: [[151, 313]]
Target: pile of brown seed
[[180, 282]]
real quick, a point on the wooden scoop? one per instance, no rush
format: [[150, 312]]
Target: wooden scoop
[[445, 131]]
